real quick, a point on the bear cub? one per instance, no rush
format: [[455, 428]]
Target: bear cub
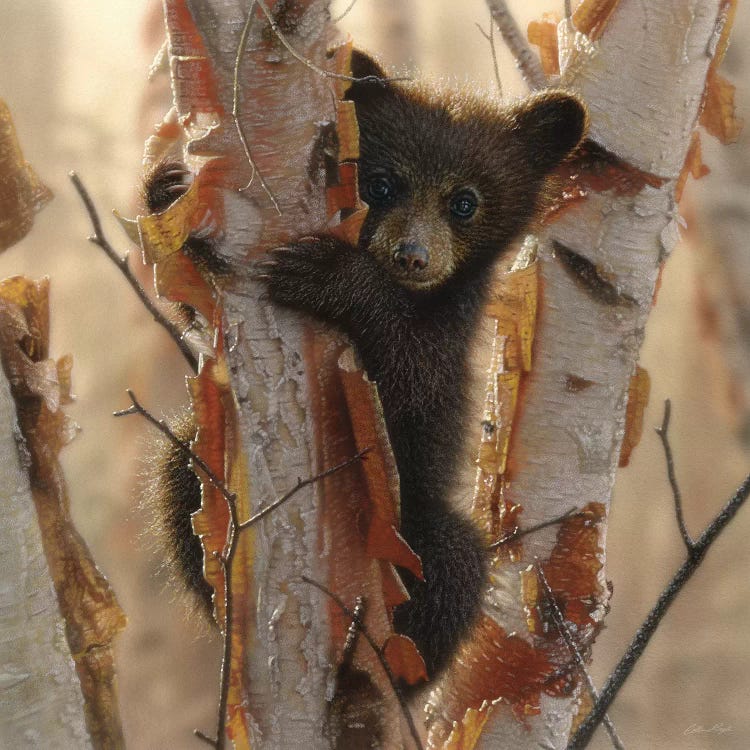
[[451, 181]]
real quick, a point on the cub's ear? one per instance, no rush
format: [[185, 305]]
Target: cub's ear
[[373, 90], [363, 66], [551, 124]]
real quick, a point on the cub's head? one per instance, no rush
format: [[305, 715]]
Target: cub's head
[[451, 179]]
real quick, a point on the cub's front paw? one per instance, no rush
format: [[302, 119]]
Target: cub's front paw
[[306, 274]]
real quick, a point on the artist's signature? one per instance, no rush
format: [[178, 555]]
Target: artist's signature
[[714, 729]]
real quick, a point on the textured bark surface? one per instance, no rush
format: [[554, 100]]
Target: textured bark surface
[[39, 689], [293, 403], [644, 82], [40, 387]]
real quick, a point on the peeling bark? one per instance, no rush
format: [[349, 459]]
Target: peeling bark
[[292, 401], [41, 696], [599, 262]]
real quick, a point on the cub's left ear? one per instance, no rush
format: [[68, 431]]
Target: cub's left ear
[[551, 124]]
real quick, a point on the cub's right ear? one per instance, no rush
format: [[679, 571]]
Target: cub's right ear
[[372, 89], [364, 66], [551, 124]]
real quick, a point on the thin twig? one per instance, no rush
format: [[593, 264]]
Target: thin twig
[[380, 656], [358, 616], [204, 737], [568, 10], [310, 64], [236, 112], [227, 556], [100, 240], [517, 533], [641, 639], [663, 433], [570, 642], [526, 60], [300, 484], [490, 37], [345, 13]]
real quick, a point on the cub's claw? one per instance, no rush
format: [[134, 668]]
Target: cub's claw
[[167, 181]]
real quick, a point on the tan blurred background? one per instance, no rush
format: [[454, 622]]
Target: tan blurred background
[[74, 75]]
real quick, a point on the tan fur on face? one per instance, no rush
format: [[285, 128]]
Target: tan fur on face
[[424, 224]]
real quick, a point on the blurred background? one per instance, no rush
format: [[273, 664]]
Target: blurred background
[[74, 75]]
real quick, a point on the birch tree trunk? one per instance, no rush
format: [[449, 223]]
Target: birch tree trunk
[[643, 79], [277, 400], [42, 705]]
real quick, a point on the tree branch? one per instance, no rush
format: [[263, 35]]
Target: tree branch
[[570, 642], [527, 62], [490, 37], [641, 639], [99, 239], [662, 432]]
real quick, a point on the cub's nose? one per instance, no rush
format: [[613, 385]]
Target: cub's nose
[[411, 257]]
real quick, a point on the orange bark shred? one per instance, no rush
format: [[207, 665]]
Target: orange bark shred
[[693, 167], [22, 194], [218, 443], [638, 393], [513, 310], [718, 112], [594, 169], [190, 62], [404, 659], [40, 388], [591, 16], [543, 34]]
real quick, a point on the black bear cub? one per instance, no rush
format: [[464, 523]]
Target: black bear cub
[[451, 182]]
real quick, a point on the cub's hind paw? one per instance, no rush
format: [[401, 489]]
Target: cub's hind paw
[[164, 184]]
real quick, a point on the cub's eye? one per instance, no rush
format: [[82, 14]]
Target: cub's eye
[[379, 189], [463, 205]]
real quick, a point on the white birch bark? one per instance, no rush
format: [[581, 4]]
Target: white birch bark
[[41, 705], [643, 85], [283, 107]]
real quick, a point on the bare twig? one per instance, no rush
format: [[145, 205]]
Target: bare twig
[[641, 639], [100, 240], [380, 656], [227, 556], [517, 533], [490, 37], [204, 737], [310, 64], [344, 13], [662, 432], [568, 11], [570, 642], [526, 60], [236, 112], [300, 484]]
